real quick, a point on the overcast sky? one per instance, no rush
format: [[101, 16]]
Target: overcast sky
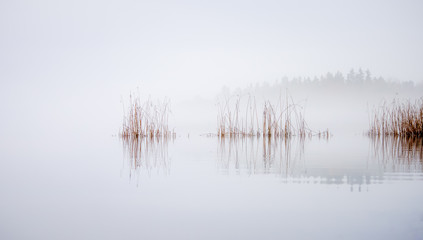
[[195, 47]]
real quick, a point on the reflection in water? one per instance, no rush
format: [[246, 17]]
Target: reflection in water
[[255, 155], [398, 154], [146, 154], [389, 159]]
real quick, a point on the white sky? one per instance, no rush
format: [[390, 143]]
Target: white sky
[[195, 47]]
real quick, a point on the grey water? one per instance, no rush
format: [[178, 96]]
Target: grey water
[[198, 187]]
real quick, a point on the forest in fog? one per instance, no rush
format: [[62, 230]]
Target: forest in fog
[[335, 101], [354, 82]]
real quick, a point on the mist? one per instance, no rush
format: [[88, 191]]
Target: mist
[[72, 59], [68, 69]]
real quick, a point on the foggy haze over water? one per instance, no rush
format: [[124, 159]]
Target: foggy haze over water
[[65, 61], [195, 48], [68, 68]]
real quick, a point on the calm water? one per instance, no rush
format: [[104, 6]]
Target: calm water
[[345, 187]]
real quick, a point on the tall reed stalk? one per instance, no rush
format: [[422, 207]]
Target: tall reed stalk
[[146, 119], [282, 120], [400, 118]]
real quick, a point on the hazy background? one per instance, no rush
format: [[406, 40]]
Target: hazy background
[[65, 66]]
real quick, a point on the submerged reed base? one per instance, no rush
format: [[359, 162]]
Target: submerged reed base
[[400, 118]]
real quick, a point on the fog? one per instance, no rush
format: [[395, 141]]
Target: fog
[[69, 65], [68, 68]]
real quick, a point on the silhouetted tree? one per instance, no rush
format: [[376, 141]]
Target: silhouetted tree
[[360, 76], [351, 76], [368, 78]]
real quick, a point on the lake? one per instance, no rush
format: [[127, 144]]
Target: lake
[[199, 187]]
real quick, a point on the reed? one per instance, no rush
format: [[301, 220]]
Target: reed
[[146, 119], [400, 118], [237, 117], [230, 120]]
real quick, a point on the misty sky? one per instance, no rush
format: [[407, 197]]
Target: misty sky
[[67, 66], [195, 47]]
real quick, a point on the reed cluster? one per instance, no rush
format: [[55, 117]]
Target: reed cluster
[[146, 119], [400, 118], [238, 117], [231, 122]]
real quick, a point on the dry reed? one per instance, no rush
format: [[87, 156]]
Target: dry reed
[[281, 120], [400, 118], [146, 119]]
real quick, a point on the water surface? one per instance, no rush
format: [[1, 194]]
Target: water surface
[[345, 187]]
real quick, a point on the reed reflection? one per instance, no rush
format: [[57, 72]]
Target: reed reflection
[[256, 155], [389, 159], [146, 154], [398, 154]]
